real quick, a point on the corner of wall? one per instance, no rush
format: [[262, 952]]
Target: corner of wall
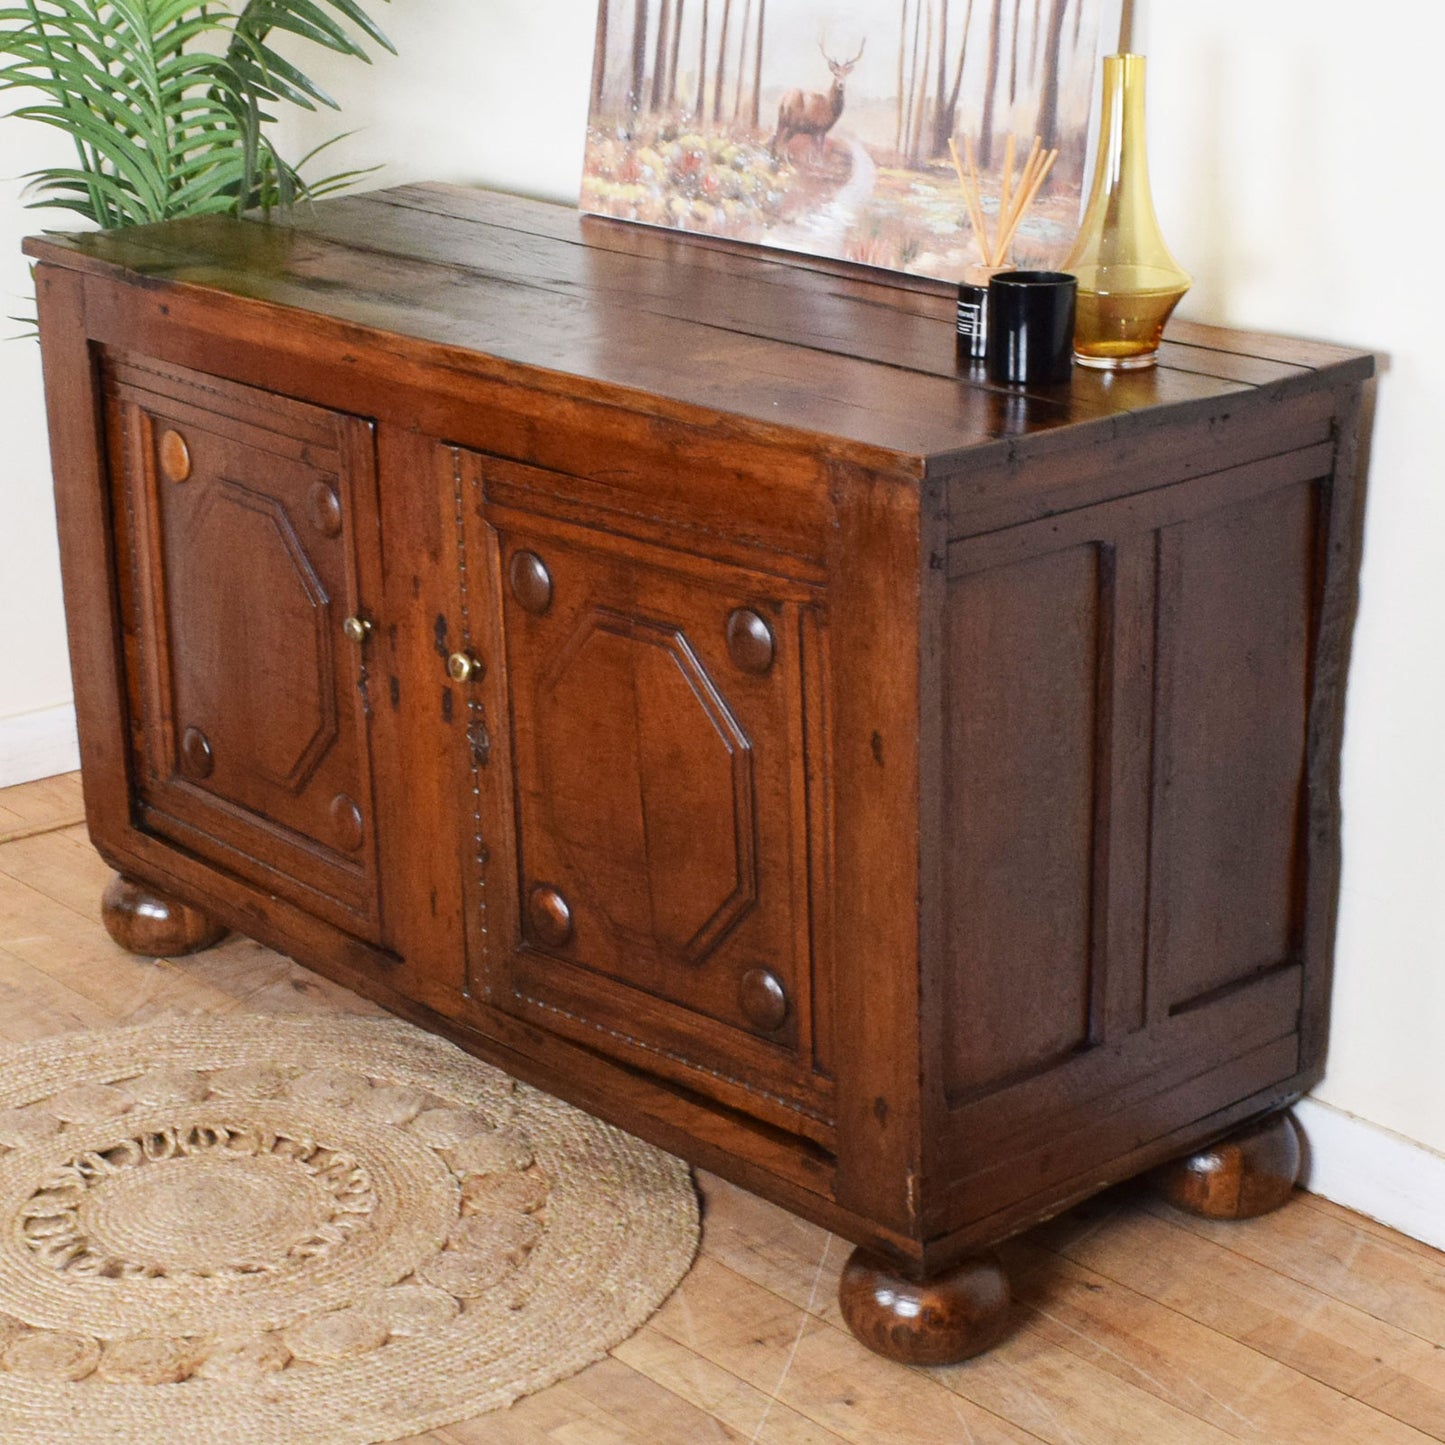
[[1373, 1171]]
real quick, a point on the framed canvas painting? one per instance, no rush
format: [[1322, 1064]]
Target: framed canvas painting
[[825, 126]]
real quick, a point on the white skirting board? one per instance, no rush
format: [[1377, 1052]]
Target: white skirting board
[[1373, 1171], [38, 745]]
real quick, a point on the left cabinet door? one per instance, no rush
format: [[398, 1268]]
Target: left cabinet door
[[247, 544]]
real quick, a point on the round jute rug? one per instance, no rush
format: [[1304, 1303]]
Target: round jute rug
[[341, 1232]]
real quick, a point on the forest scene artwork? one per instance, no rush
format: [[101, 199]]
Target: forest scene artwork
[[831, 126]]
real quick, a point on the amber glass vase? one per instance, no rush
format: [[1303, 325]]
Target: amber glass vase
[[1128, 281]]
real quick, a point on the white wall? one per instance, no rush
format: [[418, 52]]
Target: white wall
[[34, 673], [1292, 150]]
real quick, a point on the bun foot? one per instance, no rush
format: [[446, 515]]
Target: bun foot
[[939, 1321], [145, 921], [1247, 1173]]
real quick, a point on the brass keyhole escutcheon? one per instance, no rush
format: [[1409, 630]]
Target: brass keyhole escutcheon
[[549, 915], [357, 628], [463, 667], [175, 456], [750, 641], [763, 999], [531, 582]]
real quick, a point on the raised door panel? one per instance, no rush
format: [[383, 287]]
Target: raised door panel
[[241, 518]]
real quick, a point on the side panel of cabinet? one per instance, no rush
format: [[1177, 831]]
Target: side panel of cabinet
[[1124, 848], [642, 823], [243, 522]]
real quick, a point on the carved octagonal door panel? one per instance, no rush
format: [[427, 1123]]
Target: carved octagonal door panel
[[249, 699], [660, 796]]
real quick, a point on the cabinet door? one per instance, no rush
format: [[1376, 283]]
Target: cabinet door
[[655, 899], [241, 515]]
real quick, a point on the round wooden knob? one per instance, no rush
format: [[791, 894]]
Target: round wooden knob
[[549, 915], [346, 820], [175, 456], [323, 507], [531, 582], [463, 667], [750, 641], [763, 999], [197, 759]]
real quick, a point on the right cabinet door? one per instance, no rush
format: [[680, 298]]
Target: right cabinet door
[[657, 736]]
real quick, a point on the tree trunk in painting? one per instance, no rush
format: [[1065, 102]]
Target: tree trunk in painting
[[1013, 63], [902, 66], [912, 81], [742, 62], [701, 107], [916, 146], [1049, 84], [635, 97], [950, 112], [659, 56], [990, 90], [758, 65], [599, 58], [720, 80], [940, 135], [676, 47]]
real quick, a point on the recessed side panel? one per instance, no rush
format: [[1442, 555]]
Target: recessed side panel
[[1025, 679], [1125, 842], [1236, 591]]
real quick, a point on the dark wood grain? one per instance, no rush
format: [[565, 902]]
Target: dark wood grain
[[1248, 1173], [144, 920], [648, 662], [958, 1313]]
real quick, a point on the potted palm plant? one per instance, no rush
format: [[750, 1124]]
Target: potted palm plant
[[168, 102]]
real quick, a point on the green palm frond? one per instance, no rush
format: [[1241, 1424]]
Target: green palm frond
[[166, 100]]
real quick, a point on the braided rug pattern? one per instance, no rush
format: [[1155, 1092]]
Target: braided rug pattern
[[331, 1232]]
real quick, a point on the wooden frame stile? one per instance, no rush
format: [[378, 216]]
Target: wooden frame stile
[[937, 1145], [1340, 537], [88, 562], [875, 613], [423, 906]]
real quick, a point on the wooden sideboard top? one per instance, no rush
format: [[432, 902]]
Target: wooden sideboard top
[[519, 290]]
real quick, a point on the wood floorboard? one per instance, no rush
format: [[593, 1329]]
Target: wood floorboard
[[1135, 1325]]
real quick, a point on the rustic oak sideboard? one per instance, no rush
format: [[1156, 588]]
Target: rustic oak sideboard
[[654, 665]]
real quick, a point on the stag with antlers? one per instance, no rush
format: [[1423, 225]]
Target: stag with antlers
[[809, 112]]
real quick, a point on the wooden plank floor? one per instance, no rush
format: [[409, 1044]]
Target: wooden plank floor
[[1135, 1323]]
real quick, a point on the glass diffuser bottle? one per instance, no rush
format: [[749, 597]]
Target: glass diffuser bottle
[[1128, 281]]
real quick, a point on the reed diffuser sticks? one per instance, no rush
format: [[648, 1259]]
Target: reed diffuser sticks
[[1015, 195]]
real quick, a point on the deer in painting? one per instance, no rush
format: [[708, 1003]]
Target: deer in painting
[[809, 112]]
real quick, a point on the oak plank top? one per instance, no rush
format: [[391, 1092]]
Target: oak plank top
[[531, 291]]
